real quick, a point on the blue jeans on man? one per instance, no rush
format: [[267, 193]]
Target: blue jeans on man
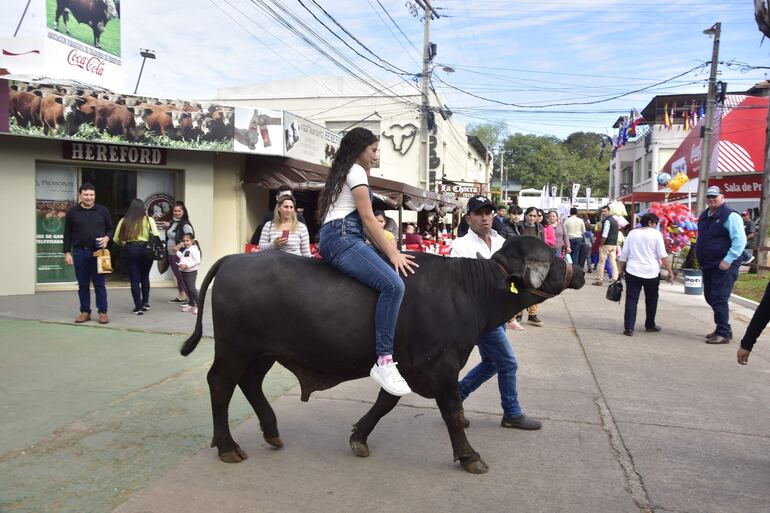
[[85, 271], [343, 246], [497, 357], [576, 246], [717, 287]]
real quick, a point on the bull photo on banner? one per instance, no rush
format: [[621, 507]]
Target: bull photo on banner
[[79, 113], [93, 22]]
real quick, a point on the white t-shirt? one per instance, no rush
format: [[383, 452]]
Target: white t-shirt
[[470, 244], [642, 252], [344, 203]]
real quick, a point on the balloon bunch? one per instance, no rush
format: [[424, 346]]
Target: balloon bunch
[[677, 224], [672, 182]]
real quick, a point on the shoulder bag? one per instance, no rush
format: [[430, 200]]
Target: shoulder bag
[[155, 249], [615, 291]]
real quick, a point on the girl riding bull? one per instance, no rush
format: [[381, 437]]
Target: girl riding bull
[[345, 209]]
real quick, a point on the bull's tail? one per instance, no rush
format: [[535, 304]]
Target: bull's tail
[[192, 342]]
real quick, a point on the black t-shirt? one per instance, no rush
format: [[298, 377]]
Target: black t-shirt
[[83, 225]]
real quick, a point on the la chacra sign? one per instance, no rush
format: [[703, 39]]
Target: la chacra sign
[[460, 190]]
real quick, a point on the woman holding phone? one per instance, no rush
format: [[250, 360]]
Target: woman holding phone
[[284, 231], [345, 210]]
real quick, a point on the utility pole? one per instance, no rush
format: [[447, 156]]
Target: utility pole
[[764, 207], [705, 163], [424, 168]]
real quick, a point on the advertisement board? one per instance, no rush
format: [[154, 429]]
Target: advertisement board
[[305, 140], [55, 194], [258, 131]]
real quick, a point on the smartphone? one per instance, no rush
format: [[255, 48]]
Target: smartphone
[[285, 234]]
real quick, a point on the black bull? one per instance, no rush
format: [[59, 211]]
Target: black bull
[[276, 307]]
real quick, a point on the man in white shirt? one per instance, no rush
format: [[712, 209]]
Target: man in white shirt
[[575, 228], [640, 262], [497, 356]]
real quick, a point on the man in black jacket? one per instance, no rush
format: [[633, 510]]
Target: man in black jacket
[[512, 225], [87, 227]]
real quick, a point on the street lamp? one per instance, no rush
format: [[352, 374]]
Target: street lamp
[[146, 54]]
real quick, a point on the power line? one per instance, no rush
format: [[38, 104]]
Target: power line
[[491, 100]]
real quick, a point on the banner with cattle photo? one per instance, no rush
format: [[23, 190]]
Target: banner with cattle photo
[[307, 141], [65, 111], [83, 41]]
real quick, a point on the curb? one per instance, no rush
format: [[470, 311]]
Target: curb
[[738, 300]]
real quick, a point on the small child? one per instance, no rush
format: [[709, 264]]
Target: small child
[[189, 260]]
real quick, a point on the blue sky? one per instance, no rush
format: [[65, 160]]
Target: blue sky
[[524, 52]]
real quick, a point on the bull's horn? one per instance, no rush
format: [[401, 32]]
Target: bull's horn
[[535, 274]]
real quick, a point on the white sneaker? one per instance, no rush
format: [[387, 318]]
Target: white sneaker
[[390, 379]]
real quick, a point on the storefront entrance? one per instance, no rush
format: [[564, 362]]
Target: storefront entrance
[[115, 188]]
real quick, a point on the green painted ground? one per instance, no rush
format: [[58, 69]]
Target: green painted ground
[[91, 416]]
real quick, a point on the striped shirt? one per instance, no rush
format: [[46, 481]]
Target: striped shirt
[[298, 244]]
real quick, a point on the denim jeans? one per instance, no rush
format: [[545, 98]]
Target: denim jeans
[[343, 246], [138, 266], [717, 287], [496, 358], [576, 245], [634, 285], [85, 271]]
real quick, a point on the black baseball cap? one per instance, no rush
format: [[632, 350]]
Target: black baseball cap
[[478, 202]]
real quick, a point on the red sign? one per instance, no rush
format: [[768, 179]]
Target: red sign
[[747, 186]]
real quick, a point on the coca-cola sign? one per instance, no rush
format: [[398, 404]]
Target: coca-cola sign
[[89, 63]]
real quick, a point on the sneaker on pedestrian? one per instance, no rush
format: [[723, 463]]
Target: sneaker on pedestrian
[[388, 377], [515, 326], [187, 308], [714, 335], [138, 311], [146, 307], [521, 422], [598, 283], [534, 320], [194, 310], [748, 260], [719, 339], [177, 300]]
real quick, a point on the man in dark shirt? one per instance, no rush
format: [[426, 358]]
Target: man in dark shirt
[[87, 227]]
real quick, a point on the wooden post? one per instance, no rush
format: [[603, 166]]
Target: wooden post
[[764, 206]]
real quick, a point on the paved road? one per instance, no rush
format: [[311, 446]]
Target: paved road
[[657, 422]]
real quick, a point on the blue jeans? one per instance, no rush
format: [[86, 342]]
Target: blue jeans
[[634, 285], [717, 287], [85, 271], [576, 245], [343, 246], [496, 358], [138, 272]]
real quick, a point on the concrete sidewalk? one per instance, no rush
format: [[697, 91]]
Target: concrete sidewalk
[[655, 422]]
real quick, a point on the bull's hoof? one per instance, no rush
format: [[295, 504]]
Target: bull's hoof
[[360, 449], [275, 441], [476, 467], [235, 456]]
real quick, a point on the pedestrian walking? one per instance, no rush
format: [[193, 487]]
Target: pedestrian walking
[[561, 245], [532, 227], [751, 237], [644, 252], [497, 356], [719, 250], [179, 225], [189, 257], [87, 227], [608, 246], [345, 206], [757, 324], [132, 233], [575, 228]]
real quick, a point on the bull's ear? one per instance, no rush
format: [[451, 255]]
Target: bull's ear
[[535, 273], [513, 283]]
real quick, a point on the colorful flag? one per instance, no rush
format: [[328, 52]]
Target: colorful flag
[[666, 117]]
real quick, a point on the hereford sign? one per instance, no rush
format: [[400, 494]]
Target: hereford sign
[[460, 190], [113, 153]]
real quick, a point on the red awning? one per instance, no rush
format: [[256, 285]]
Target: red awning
[[739, 140]]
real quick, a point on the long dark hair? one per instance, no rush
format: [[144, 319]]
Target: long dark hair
[[133, 221], [185, 219], [351, 146]]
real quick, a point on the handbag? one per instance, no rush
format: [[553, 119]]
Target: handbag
[[615, 291], [154, 249], [103, 261]]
